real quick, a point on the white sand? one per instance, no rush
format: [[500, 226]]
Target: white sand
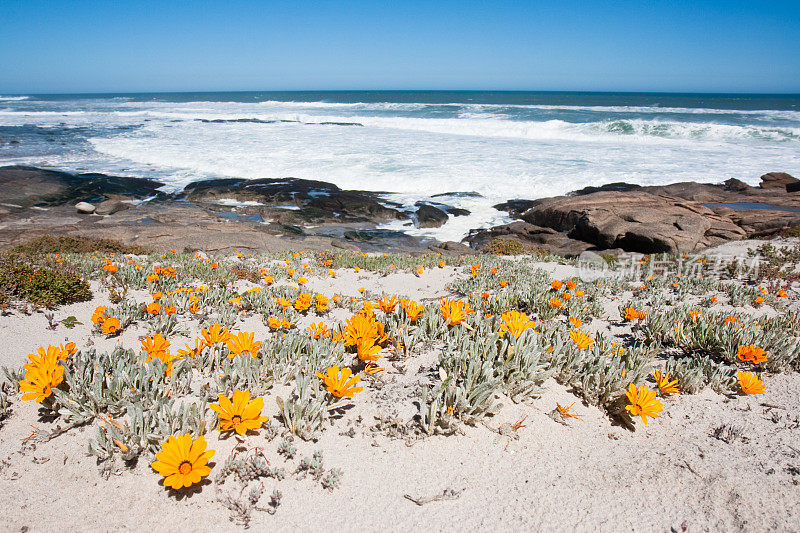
[[586, 476]]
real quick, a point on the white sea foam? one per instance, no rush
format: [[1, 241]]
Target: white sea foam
[[418, 150], [233, 202], [13, 98]]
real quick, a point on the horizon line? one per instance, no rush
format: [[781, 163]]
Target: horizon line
[[542, 91]]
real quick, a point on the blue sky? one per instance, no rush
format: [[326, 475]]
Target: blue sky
[[98, 46]]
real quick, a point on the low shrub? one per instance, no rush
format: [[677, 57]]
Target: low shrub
[[49, 286], [51, 244], [506, 246]]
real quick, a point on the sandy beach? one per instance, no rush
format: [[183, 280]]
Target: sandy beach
[[710, 461]]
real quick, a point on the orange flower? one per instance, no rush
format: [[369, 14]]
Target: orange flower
[[581, 339], [362, 327], [183, 462], [571, 285], [368, 350], [759, 299], [664, 384], [455, 311], [43, 373], [556, 285], [155, 346], [782, 294], [643, 402], [157, 295], [516, 323], [413, 310], [67, 350], [189, 351], [321, 303], [633, 314], [504, 284], [339, 382], [750, 383], [752, 353], [239, 413], [152, 278], [215, 334], [243, 343], [152, 308], [111, 268], [555, 302], [387, 305], [99, 314], [303, 302], [579, 293], [574, 322], [318, 330], [110, 325]]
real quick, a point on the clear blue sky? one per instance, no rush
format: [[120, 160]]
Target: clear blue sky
[[642, 45]]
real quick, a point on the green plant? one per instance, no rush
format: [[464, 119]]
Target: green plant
[[40, 284], [62, 244], [505, 246]]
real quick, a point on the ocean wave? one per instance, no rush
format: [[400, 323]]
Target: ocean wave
[[488, 108], [600, 131], [13, 98]]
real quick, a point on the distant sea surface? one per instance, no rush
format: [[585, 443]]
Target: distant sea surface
[[412, 144]]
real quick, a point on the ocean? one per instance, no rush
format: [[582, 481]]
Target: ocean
[[412, 145]]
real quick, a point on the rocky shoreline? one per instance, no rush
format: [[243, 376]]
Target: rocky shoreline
[[675, 218], [273, 214]]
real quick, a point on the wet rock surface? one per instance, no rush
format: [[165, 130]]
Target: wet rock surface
[[217, 215], [272, 214]]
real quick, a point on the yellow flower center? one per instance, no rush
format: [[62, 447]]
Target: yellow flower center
[[236, 420], [185, 468]]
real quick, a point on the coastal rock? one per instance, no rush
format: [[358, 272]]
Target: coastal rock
[[777, 180], [429, 216], [735, 185], [451, 248], [30, 186], [111, 206], [619, 186], [634, 221], [514, 207], [323, 201], [531, 235], [85, 208]]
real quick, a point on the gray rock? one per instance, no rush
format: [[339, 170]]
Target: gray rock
[[30, 186], [85, 208], [429, 216], [736, 185], [111, 206], [634, 221], [452, 248]]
